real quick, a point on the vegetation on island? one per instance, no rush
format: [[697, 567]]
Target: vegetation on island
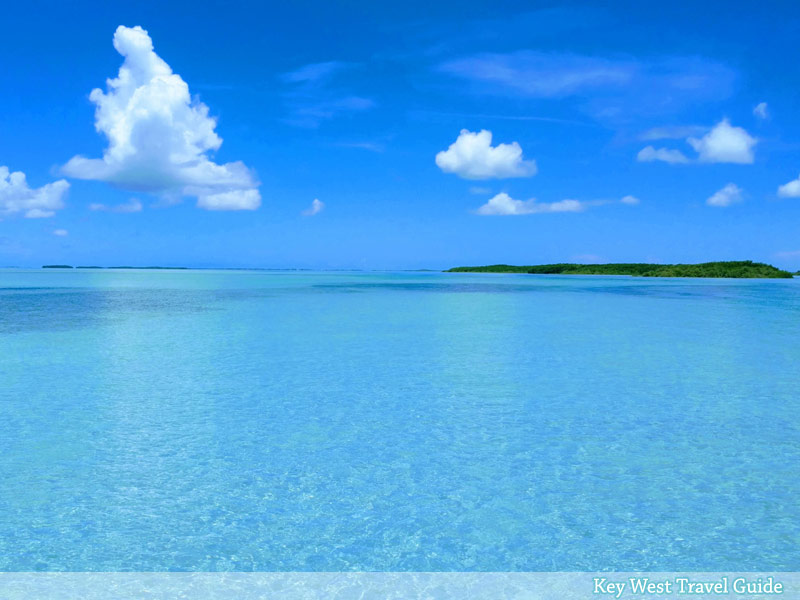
[[725, 269], [56, 266]]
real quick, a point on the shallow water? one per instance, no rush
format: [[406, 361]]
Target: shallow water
[[239, 420]]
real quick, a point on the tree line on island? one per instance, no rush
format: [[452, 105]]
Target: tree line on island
[[739, 269]]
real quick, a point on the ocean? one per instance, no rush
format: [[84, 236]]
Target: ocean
[[397, 421]]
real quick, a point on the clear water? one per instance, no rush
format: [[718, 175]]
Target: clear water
[[207, 420]]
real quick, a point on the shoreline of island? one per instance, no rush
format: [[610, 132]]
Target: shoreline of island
[[741, 269]]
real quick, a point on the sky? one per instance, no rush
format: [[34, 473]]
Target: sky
[[371, 135]]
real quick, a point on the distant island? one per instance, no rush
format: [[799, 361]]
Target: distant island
[[123, 267], [739, 269]]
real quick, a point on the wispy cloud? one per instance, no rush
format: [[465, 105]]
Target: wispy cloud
[[504, 205], [608, 88], [312, 98], [761, 111], [675, 132], [541, 75], [132, 206], [480, 190], [315, 73], [651, 154], [438, 115], [316, 207], [377, 147]]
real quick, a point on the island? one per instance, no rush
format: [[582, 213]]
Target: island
[[123, 267], [739, 269]]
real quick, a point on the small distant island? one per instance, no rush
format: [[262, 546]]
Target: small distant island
[[123, 267], [739, 269]]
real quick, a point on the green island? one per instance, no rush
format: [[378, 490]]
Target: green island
[[739, 269]]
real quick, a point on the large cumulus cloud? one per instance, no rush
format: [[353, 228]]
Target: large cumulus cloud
[[159, 138]]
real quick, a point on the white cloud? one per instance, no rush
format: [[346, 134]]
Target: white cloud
[[313, 96], [480, 190], [672, 132], [315, 208], [630, 200], [609, 88], [61, 232], [132, 206], [650, 154], [503, 204], [790, 190], [728, 195], [542, 75], [761, 110], [17, 197], [315, 72], [159, 138], [232, 200], [472, 156], [725, 144]]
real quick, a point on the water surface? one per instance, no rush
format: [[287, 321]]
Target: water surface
[[239, 420]]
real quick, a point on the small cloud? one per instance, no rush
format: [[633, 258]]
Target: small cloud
[[315, 208], [480, 190], [132, 206], [788, 254], [672, 132], [790, 190], [725, 144], [632, 200], [232, 200], [34, 203], [503, 204], [314, 72], [472, 156], [730, 194], [159, 137], [761, 111], [61, 232], [370, 146], [650, 154], [311, 113]]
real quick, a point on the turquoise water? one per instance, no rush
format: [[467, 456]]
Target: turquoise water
[[202, 420]]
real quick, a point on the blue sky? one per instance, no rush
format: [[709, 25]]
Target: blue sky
[[414, 135]]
